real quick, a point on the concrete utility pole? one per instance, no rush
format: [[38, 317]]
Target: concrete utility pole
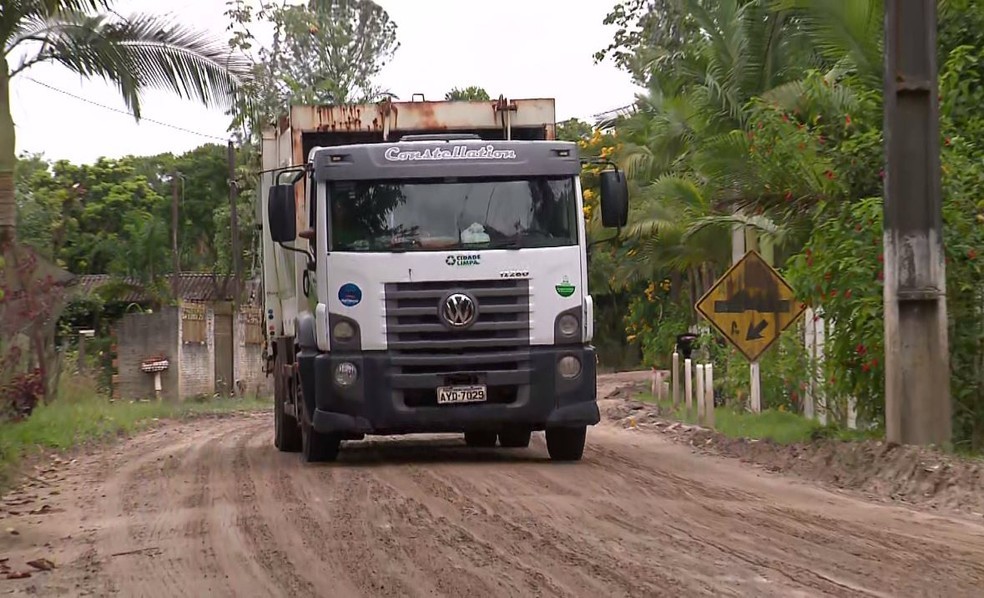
[[175, 275], [917, 360], [234, 223]]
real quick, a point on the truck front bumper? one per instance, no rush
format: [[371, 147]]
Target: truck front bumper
[[537, 398]]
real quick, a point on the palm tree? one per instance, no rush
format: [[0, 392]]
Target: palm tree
[[135, 53], [667, 233], [690, 123]]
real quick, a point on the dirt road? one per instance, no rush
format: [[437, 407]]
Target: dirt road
[[210, 508]]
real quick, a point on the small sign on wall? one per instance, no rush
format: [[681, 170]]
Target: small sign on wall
[[251, 318], [194, 324]]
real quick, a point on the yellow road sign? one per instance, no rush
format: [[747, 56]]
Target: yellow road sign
[[751, 305]]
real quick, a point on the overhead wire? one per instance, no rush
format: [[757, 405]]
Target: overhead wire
[[127, 112]]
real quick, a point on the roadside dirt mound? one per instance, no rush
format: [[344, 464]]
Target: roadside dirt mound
[[880, 470]]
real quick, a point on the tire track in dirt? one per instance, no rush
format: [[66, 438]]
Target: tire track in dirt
[[709, 497], [297, 530], [631, 558], [260, 539], [571, 514], [225, 514], [113, 503], [659, 480], [424, 561], [163, 502], [483, 566], [242, 573], [536, 538], [814, 534], [777, 538]]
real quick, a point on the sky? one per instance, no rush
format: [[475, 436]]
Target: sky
[[518, 48]]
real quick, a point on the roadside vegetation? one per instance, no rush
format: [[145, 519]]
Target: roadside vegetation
[[766, 115], [83, 415], [778, 424]]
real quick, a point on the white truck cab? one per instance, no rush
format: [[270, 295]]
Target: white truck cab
[[444, 288]]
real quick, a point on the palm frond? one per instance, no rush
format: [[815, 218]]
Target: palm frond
[[681, 191], [720, 222], [796, 95], [724, 159], [51, 7], [840, 28], [15, 14], [140, 53], [650, 228], [638, 162]]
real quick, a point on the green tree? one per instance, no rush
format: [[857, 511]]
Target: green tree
[[574, 129], [323, 52], [729, 132], [691, 143], [202, 183], [651, 37], [80, 215], [146, 237], [37, 211], [772, 119], [136, 53], [471, 93]]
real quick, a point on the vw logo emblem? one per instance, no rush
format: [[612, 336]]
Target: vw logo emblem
[[459, 310]]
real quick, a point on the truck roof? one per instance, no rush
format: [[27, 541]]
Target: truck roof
[[291, 140], [453, 157], [388, 120]]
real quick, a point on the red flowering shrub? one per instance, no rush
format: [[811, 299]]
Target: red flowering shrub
[[29, 303]]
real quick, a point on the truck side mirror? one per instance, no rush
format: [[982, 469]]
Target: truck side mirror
[[614, 199], [281, 212]]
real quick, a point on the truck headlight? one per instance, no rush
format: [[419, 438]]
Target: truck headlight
[[346, 374], [343, 331], [568, 325], [569, 366]]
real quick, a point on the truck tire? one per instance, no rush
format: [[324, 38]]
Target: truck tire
[[317, 447], [514, 438], [566, 444], [286, 430], [287, 433], [481, 439]]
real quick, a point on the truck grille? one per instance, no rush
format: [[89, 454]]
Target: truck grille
[[427, 352]]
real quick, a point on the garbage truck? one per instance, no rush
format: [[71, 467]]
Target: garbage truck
[[425, 272]]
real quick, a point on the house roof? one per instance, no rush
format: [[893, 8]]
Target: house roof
[[192, 286]]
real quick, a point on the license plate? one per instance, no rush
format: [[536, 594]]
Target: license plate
[[461, 394]]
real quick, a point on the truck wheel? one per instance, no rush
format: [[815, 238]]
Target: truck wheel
[[287, 434], [566, 444], [480, 439], [317, 447], [514, 438], [286, 431]]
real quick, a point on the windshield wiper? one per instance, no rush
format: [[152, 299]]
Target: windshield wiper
[[511, 243], [401, 245]]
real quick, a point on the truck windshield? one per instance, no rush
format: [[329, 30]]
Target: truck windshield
[[443, 214]]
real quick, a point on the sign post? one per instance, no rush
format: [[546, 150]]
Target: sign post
[[751, 305]]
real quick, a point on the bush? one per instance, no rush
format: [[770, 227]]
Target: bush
[[21, 394], [654, 320], [840, 272]]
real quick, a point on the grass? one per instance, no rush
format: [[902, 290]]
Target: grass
[[81, 415], [783, 427]]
